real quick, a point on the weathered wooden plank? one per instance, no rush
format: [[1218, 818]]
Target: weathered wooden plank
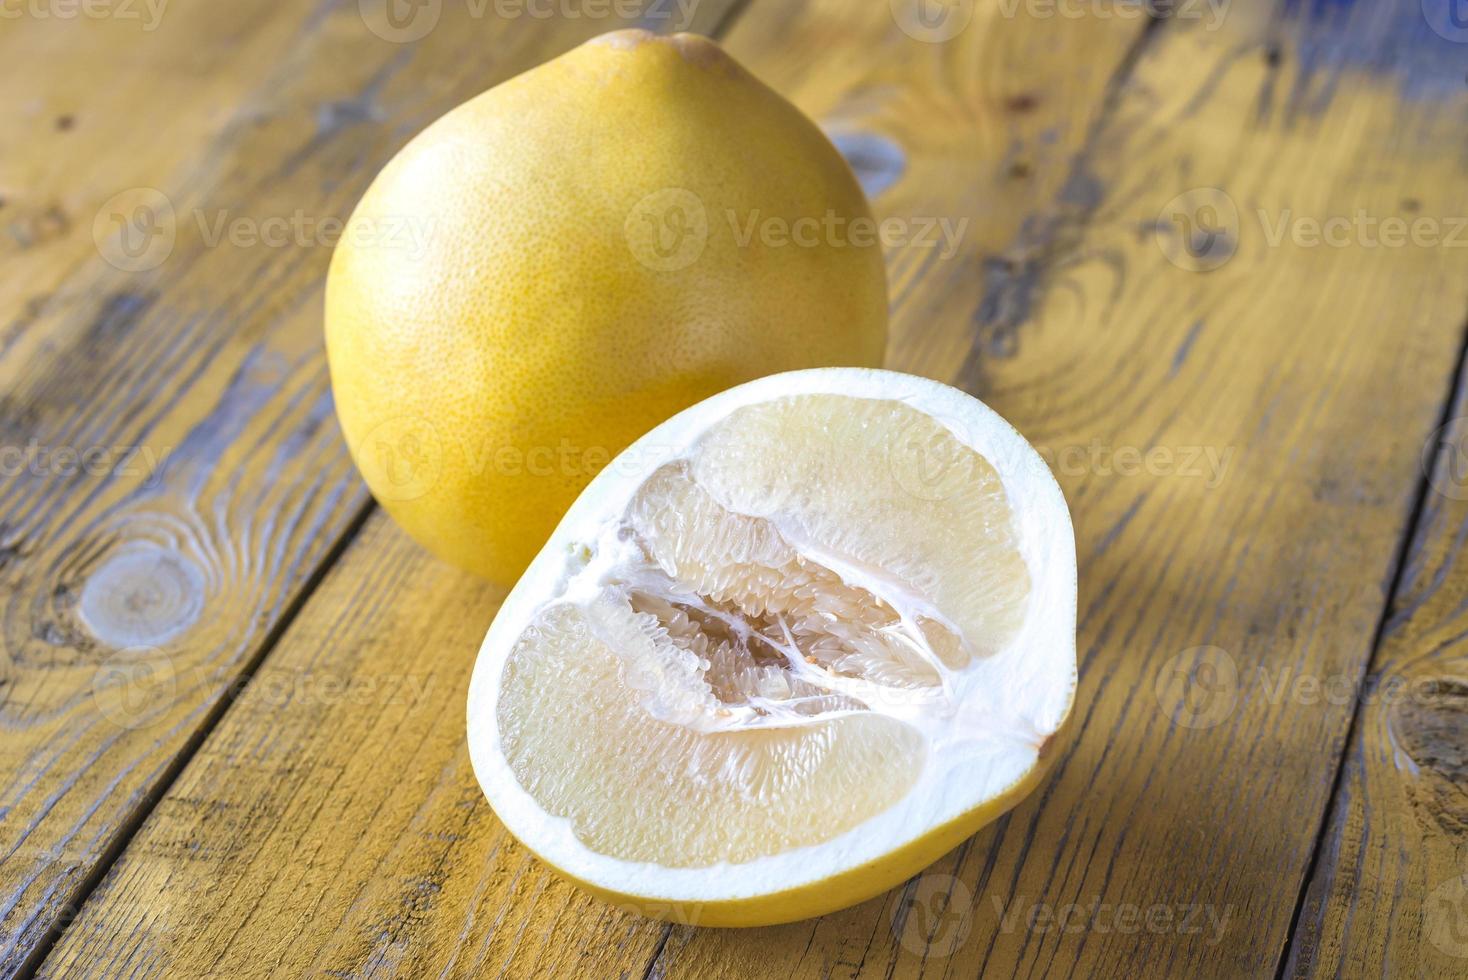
[[97, 105], [138, 586], [332, 825], [399, 855], [1389, 893], [1174, 836]]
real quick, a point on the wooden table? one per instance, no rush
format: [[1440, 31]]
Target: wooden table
[[1212, 263]]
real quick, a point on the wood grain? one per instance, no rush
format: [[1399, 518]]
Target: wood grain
[[324, 831], [1390, 889], [332, 826], [97, 106], [141, 580], [371, 865], [1174, 837]]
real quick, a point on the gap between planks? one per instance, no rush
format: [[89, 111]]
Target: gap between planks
[[193, 743], [1399, 566]]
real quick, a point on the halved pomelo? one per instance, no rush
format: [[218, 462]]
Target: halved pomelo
[[784, 651]]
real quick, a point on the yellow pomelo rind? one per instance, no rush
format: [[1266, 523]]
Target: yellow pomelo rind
[[563, 262], [840, 891]]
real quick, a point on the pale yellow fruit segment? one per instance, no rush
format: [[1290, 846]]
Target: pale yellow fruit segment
[[577, 735], [792, 588], [884, 487]]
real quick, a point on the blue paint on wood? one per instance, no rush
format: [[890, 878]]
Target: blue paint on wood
[[877, 161]]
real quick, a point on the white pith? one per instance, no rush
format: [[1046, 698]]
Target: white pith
[[983, 728]]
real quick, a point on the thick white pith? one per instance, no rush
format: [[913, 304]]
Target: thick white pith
[[983, 725]]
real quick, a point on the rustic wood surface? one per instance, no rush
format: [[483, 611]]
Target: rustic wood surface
[[1391, 884], [140, 588], [231, 692]]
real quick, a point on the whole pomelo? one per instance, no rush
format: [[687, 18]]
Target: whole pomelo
[[565, 261]]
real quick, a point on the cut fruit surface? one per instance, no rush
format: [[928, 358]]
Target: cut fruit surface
[[784, 651]]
